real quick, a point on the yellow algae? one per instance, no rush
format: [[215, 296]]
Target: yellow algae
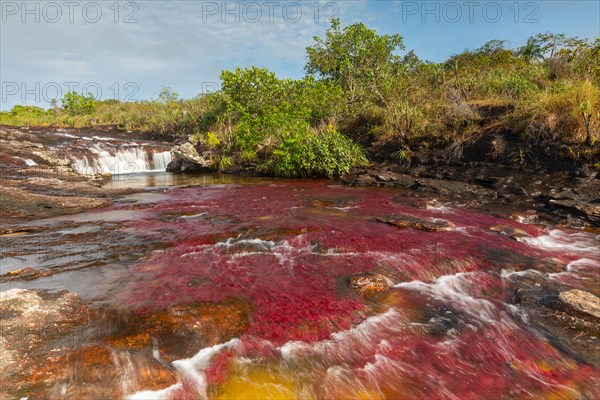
[[401, 301], [369, 395], [14, 234], [564, 394], [261, 384]]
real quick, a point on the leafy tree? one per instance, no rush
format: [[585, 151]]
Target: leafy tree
[[356, 58], [551, 42], [168, 95], [253, 89], [532, 50], [270, 109], [78, 104]]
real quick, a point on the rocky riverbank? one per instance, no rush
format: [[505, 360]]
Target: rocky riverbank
[[49, 172], [500, 173]]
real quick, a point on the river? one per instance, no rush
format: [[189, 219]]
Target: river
[[224, 287]]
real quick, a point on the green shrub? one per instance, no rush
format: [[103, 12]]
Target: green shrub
[[328, 153], [31, 111]]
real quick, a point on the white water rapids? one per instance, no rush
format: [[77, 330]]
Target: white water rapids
[[124, 159]]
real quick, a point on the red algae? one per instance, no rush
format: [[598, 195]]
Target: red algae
[[284, 248]]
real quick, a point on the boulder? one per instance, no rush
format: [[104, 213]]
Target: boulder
[[185, 158]]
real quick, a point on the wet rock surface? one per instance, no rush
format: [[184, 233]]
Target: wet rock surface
[[407, 221], [55, 346], [554, 310], [509, 231], [581, 301], [37, 179], [35, 332], [179, 331], [560, 190], [369, 284]]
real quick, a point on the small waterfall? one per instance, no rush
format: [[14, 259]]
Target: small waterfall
[[124, 159]]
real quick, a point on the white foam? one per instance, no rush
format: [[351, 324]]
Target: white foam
[[579, 243], [191, 370], [582, 262], [364, 333], [28, 161], [122, 160], [454, 288]]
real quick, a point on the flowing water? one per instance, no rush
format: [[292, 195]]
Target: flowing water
[[269, 262], [107, 155]]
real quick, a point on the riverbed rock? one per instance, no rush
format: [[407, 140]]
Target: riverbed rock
[[572, 331], [181, 330], [44, 351], [37, 179], [88, 369], [581, 301], [26, 273], [408, 221], [369, 284], [510, 260], [509, 231], [23, 204], [35, 328]]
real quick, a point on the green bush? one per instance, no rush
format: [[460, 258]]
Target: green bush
[[33, 111], [329, 154]]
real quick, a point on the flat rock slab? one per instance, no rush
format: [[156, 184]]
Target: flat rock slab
[[407, 221], [509, 231], [581, 301]]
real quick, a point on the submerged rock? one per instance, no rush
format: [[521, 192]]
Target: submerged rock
[[179, 331], [581, 301], [26, 273], [49, 349], [407, 221]]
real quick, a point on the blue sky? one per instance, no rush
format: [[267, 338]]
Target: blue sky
[[131, 51]]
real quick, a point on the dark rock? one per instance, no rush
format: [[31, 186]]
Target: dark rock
[[509, 260], [407, 221], [571, 331], [510, 232]]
